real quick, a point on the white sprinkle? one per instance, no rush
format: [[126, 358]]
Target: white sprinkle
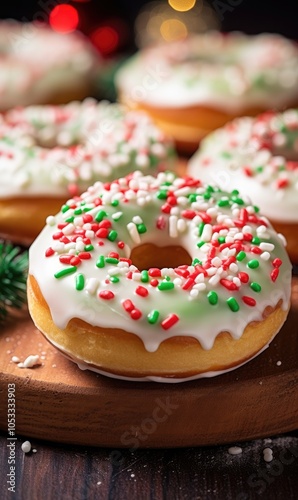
[[265, 256], [238, 236], [177, 281], [136, 276], [15, 359], [207, 233], [193, 293], [214, 279], [261, 229], [247, 229], [137, 219], [235, 450], [26, 446], [181, 225], [200, 286], [116, 216], [89, 234], [68, 229], [216, 261], [237, 281], [173, 231], [233, 267], [132, 229], [268, 454], [266, 246], [50, 220], [278, 363], [91, 286]]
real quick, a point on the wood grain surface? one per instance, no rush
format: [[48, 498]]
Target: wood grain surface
[[59, 402]]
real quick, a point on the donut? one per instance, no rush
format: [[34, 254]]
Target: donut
[[48, 153], [193, 86], [260, 157], [40, 66], [158, 278]]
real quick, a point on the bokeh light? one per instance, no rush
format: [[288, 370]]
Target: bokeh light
[[64, 18], [105, 39], [182, 5], [173, 29]]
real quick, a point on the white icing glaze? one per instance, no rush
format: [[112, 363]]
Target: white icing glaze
[[258, 156], [61, 150], [37, 62], [106, 285], [230, 72]]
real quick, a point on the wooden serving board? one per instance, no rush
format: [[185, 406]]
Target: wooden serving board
[[59, 402]]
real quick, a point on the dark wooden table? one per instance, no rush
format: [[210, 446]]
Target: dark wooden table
[[57, 472]]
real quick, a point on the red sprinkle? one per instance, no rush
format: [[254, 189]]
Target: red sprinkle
[[87, 218], [244, 277], [135, 314], [58, 235], [114, 255], [154, 272], [65, 259], [128, 305], [75, 261], [274, 274], [106, 295], [188, 214], [282, 183], [121, 244], [256, 250], [154, 282], [105, 223], [248, 171], [166, 208], [102, 233], [249, 301], [49, 252], [142, 291], [161, 223], [230, 285], [188, 284], [170, 321], [277, 262], [84, 255]]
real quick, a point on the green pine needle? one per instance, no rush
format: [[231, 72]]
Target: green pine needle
[[13, 277]]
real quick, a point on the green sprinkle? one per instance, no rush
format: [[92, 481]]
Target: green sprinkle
[[221, 239], [241, 255], [226, 154], [192, 197], [235, 192], [69, 219], [281, 168], [237, 200], [212, 297], [111, 260], [210, 189], [200, 244], [256, 287], [195, 262], [115, 203], [162, 195], [83, 203], [259, 169], [64, 208], [233, 304], [114, 279], [207, 196], [80, 282], [256, 240], [87, 209], [256, 209], [65, 272], [223, 202], [141, 228], [201, 228], [253, 264], [165, 285], [100, 261], [78, 211], [100, 216], [89, 248], [153, 316], [112, 235], [144, 276]]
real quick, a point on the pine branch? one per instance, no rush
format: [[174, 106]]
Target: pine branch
[[13, 277]]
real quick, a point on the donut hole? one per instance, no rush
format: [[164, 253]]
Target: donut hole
[[149, 255]]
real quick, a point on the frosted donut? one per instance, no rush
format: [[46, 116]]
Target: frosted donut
[[260, 157], [196, 85], [161, 278], [48, 153], [40, 66]]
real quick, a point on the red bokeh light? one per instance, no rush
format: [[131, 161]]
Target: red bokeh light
[[105, 39], [64, 18]]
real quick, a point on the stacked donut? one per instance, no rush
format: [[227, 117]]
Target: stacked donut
[[260, 157], [196, 85], [40, 66], [50, 152], [161, 278]]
